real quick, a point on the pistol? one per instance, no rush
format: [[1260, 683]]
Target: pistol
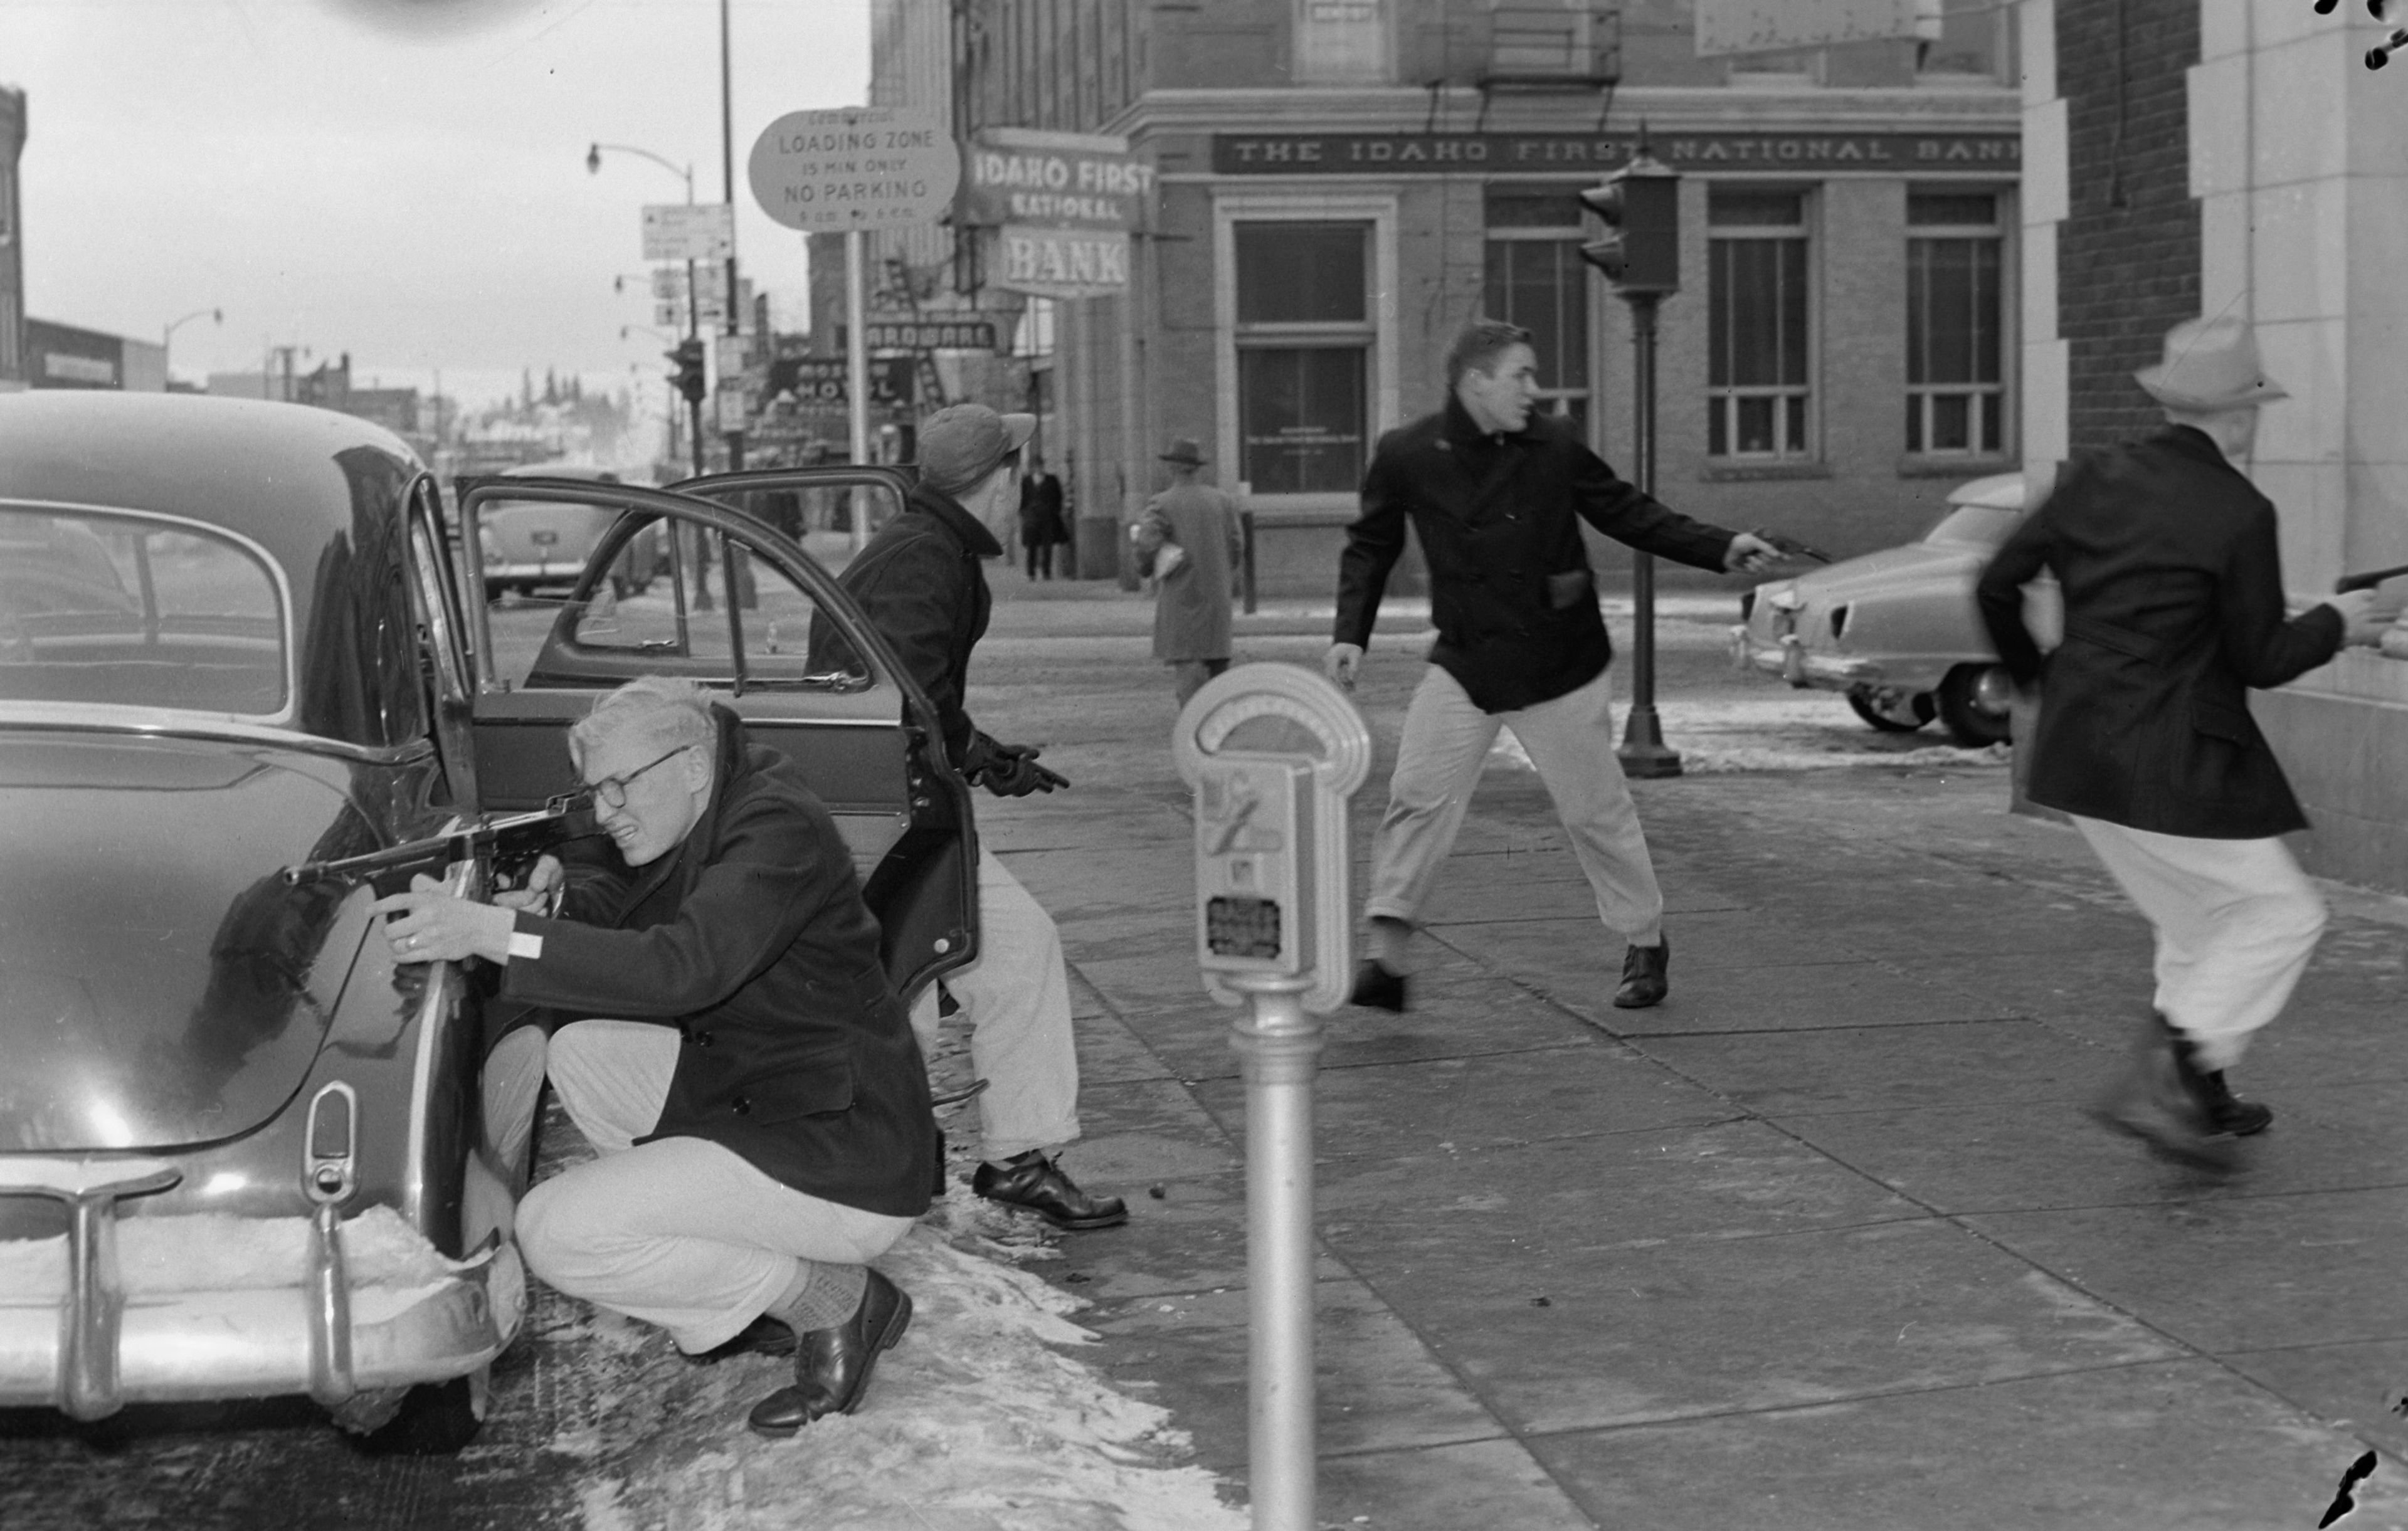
[[507, 844], [2368, 581], [1789, 547]]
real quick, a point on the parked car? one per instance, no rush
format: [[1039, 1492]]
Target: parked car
[[241, 1150], [526, 544], [1897, 631]]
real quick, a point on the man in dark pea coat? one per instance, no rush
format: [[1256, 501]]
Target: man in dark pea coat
[[756, 1095], [1496, 493], [2167, 557]]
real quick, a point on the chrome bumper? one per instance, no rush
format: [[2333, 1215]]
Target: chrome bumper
[[87, 1347], [1790, 661], [544, 570]]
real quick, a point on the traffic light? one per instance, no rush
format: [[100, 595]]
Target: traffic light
[[1640, 204], [688, 376]]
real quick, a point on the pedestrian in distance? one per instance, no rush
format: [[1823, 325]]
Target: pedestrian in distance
[[1041, 527], [755, 1094], [2172, 581], [1497, 495], [921, 584], [1190, 542]]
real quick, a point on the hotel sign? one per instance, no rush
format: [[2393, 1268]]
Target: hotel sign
[[1538, 153]]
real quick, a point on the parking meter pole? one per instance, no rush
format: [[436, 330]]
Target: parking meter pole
[[856, 376], [1278, 1052], [1644, 752]]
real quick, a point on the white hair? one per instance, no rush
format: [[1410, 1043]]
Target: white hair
[[663, 711]]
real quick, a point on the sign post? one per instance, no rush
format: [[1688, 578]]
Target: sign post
[[1273, 752], [851, 169]]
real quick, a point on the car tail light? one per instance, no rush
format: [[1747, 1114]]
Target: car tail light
[[1838, 623]]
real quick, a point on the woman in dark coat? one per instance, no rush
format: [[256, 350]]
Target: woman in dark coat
[[1041, 526]]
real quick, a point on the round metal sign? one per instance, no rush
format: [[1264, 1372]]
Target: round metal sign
[[854, 167]]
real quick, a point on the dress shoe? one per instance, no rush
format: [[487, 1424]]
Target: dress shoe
[[1378, 987], [1036, 1183], [832, 1367], [2223, 1110], [764, 1336], [2149, 1101], [1645, 980]]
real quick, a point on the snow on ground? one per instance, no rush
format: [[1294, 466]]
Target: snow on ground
[[981, 1419], [1785, 733]]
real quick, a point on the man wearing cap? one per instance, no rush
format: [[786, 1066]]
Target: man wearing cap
[[920, 582], [1189, 541], [2171, 573]]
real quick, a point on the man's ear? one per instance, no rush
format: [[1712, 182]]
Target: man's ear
[[694, 765]]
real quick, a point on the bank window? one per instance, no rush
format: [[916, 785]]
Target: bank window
[[1537, 280], [1304, 339], [1955, 392], [1759, 403]]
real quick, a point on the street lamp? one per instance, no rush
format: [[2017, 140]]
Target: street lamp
[[167, 335], [684, 173]]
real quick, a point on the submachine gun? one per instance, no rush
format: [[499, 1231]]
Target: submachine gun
[[2368, 581], [506, 845]]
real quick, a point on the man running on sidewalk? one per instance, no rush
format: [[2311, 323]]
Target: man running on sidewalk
[[1496, 493], [2172, 580]]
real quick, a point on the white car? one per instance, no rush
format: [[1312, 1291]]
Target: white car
[[1897, 631]]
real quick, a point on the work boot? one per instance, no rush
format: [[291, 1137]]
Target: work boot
[[2149, 1101], [2223, 1110], [1645, 979]]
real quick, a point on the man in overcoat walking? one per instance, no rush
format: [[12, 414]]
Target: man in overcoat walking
[[1190, 541], [2168, 559], [1497, 495]]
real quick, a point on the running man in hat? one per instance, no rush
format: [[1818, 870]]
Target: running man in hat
[[2172, 579]]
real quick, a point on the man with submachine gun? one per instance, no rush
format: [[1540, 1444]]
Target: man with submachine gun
[[506, 846]]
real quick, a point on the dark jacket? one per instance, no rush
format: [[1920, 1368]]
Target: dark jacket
[[920, 583], [2174, 608], [1041, 511], [751, 939], [1498, 516]]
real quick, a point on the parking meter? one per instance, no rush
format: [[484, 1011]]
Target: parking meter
[[1273, 752]]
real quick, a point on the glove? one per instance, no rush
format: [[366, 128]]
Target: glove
[[1007, 770]]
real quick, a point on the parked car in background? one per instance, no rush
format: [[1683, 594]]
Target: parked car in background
[[1897, 631], [527, 544], [242, 1152]]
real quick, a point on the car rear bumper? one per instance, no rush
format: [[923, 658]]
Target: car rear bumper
[[272, 1306], [1790, 659], [536, 571]]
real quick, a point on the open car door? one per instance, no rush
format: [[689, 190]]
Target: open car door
[[680, 585]]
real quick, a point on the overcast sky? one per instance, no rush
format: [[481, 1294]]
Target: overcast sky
[[401, 179]]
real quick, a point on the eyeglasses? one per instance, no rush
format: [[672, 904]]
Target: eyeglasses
[[612, 790]]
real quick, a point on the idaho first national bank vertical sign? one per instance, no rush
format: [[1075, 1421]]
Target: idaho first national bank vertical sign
[[1062, 206]]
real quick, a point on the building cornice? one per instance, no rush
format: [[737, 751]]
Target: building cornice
[[1663, 110]]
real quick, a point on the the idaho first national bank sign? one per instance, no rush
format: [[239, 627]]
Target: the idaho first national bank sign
[[1490, 153]]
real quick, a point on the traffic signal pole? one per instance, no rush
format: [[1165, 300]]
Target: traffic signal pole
[[1643, 751]]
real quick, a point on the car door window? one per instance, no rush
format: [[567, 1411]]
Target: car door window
[[770, 619]]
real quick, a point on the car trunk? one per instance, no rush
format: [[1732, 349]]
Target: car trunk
[[160, 985]]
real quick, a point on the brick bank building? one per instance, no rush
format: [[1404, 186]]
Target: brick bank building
[[1343, 183]]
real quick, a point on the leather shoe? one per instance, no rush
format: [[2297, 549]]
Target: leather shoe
[[2223, 1110], [832, 1367], [764, 1336], [2149, 1101], [1377, 987], [1036, 1183], [1645, 980]]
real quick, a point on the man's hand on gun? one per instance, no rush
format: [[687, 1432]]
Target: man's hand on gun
[[1009, 771], [1342, 663], [432, 924]]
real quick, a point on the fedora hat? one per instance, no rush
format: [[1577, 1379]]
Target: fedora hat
[[2210, 364], [1184, 450]]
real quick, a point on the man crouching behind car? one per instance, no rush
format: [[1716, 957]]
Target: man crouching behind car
[[758, 1101]]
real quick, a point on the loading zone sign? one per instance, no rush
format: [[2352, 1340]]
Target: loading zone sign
[[856, 167]]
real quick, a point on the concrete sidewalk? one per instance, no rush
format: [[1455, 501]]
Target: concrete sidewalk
[[1824, 1242]]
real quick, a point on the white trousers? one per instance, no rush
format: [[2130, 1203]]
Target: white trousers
[[1017, 995], [679, 1233], [1571, 741], [2235, 921]]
